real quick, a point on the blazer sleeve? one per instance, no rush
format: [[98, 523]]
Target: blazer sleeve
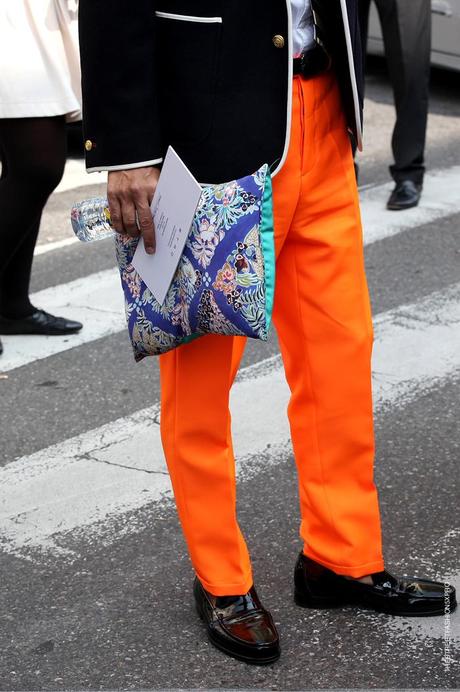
[[120, 108]]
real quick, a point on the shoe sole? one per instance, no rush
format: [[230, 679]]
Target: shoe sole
[[240, 657], [57, 333], [323, 603], [395, 207]]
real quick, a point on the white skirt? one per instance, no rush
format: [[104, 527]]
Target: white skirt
[[39, 61]]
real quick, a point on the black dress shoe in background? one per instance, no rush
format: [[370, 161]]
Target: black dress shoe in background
[[238, 625], [39, 322], [405, 195], [316, 586]]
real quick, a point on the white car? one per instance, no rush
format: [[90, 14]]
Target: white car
[[445, 51]]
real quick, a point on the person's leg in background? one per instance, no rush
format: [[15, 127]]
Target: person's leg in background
[[33, 154], [322, 316], [363, 16], [15, 278], [406, 28]]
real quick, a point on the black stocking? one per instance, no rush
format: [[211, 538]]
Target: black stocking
[[33, 153]]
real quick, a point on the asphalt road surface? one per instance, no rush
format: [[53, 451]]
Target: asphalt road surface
[[95, 579]]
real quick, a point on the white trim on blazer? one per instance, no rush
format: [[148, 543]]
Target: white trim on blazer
[[189, 18], [351, 66], [289, 91]]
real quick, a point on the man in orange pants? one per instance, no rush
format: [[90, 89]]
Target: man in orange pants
[[227, 67], [323, 320]]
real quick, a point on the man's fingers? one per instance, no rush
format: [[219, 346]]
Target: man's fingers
[[129, 194], [115, 213], [144, 216], [128, 212]]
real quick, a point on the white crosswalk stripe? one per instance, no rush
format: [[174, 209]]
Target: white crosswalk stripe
[[96, 300], [75, 176], [55, 245], [107, 472], [441, 198]]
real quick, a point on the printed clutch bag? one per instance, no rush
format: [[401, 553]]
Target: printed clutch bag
[[225, 279]]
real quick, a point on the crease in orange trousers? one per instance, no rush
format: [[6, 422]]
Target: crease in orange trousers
[[323, 320]]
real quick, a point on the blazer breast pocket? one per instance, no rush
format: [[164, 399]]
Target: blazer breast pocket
[[188, 50]]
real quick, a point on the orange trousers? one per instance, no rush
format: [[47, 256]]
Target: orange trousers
[[323, 321]]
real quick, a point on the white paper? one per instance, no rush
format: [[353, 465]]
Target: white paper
[[173, 208]]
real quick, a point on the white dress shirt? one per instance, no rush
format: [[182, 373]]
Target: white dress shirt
[[302, 26]]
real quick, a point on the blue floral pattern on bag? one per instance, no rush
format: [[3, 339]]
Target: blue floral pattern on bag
[[220, 285]]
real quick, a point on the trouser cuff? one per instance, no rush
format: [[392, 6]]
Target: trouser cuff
[[228, 589], [356, 571]]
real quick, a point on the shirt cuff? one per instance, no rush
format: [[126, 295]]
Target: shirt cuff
[[124, 167]]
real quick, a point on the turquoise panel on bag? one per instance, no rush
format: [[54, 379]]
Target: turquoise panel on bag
[[225, 279]]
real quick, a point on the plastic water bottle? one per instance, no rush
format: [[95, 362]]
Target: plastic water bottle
[[91, 219]]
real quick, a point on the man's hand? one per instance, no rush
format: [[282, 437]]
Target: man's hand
[[130, 193]]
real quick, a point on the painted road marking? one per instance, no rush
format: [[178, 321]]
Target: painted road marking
[[119, 467], [96, 289], [55, 245], [437, 202], [75, 176], [95, 300]]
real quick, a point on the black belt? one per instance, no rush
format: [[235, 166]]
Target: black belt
[[312, 62]]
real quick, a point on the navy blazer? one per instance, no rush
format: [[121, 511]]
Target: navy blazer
[[210, 77]]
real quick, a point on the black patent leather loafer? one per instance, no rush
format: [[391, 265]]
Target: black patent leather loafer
[[405, 195], [316, 586], [39, 322], [238, 625]]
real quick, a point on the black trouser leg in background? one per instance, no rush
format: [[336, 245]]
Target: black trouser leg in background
[[33, 153], [406, 28]]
